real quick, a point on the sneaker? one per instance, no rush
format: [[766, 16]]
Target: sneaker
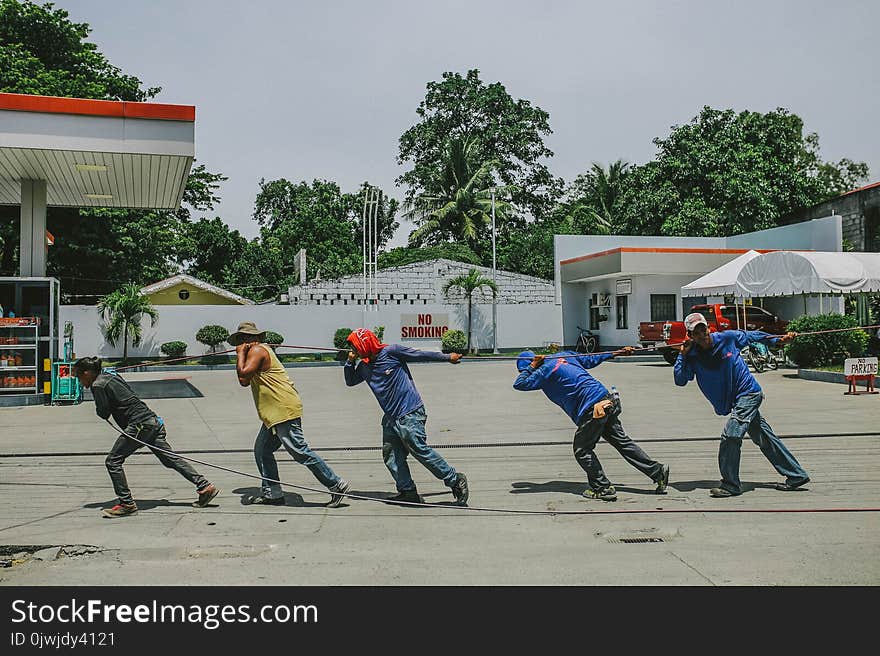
[[722, 492], [460, 489], [407, 496], [256, 500], [120, 510], [663, 481], [206, 496], [338, 493], [605, 494], [788, 487]]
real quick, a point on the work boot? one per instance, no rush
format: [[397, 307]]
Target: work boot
[[605, 494], [722, 493], [663, 480], [120, 510], [338, 493], [407, 496], [257, 500], [206, 495], [789, 487], [460, 489]]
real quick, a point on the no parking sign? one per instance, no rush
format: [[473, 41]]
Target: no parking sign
[[860, 369]]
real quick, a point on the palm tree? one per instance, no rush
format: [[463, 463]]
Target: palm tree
[[469, 283], [606, 186], [458, 205], [122, 311]]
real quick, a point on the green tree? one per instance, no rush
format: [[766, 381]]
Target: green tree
[[457, 204], [97, 248], [468, 284], [403, 255], [726, 173], [593, 198], [122, 312], [503, 129], [259, 272], [42, 52], [208, 247], [321, 219]]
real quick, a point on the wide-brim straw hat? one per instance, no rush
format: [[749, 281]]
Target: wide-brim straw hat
[[245, 328]]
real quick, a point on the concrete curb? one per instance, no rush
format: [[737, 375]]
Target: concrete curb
[[822, 376]]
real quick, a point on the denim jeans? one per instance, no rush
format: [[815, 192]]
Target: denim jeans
[[587, 436], [152, 432], [404, 436], [290, 434], [745, 418]]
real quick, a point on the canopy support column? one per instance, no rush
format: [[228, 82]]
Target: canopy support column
[[32, 242]]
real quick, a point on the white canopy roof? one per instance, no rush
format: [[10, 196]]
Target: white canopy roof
[[722, 281], [789, 273]]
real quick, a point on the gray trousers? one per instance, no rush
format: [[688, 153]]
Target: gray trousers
[[587, 436], [154, 434]]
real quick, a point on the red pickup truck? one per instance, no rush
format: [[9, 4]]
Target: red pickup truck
[[718, 316]]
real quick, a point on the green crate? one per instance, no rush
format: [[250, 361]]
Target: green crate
[[65, 386]]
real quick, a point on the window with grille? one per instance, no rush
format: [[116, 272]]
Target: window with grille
[[662, 307]]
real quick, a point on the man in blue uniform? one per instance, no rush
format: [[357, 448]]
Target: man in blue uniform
[[384, 368], [724, 378], [566, 382]]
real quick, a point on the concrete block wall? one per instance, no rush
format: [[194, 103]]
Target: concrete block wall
[[854, 208], [421, 283]]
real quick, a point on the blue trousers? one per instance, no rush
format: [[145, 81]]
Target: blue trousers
[[404, 436], [745, 418]]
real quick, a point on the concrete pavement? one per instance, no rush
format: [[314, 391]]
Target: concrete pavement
[[48, 498]]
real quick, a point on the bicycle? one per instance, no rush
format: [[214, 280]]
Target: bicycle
[[587, 342], [760, 356]]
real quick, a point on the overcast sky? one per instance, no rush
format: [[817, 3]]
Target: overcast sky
[[324, 89]]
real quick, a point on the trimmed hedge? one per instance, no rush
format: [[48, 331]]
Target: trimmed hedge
[[824, 350], [340, 337], [454, 341], [273, 339], [173, 349], [212, 336]]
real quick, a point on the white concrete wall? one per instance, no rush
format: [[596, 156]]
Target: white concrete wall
[[519, 325], [639, 305]]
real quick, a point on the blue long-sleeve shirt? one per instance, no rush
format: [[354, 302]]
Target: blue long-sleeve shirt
[[390, 378], [565, 381], [721, 373]]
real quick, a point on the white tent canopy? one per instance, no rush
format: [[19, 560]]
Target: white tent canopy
[[722, 281], [789, 273]]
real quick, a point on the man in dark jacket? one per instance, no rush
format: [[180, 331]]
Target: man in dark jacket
[[114, 397], [565, 381]]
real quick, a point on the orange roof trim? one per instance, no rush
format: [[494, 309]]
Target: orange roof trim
[[19, 102], [731, 251], [855, 191]]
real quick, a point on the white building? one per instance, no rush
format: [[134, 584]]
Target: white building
[[608, 284]]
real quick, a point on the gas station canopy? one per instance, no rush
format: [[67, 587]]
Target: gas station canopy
[[72, 152], [95, 153]]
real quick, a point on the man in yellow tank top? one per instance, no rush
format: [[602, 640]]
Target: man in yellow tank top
[[280, 409]]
